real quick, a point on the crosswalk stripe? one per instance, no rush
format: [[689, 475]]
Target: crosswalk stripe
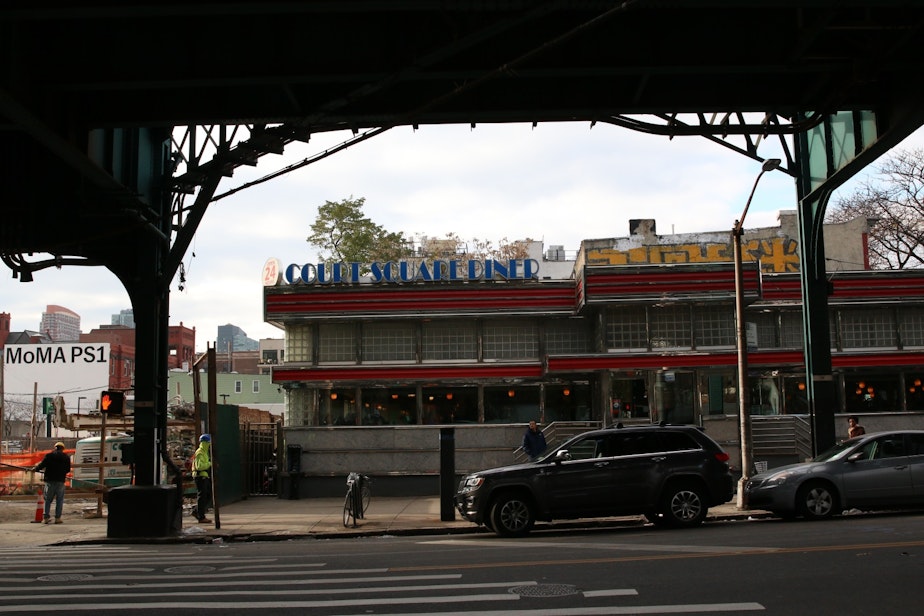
[[134, 594]]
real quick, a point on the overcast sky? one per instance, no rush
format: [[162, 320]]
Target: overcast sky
[[559, 183]]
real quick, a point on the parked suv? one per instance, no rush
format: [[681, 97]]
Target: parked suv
[[671, 474]]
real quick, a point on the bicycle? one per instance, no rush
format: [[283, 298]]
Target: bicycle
[[358, 495]]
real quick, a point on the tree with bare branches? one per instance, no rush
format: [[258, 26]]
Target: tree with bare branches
[[894, 205]]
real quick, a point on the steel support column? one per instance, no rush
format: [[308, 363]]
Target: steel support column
[[819, 383], [150, 302], [820, 156]]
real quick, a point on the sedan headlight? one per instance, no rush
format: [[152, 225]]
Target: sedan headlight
[[778, 479], [470, 483]]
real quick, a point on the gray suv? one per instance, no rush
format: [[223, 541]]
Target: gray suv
[[671, 474]]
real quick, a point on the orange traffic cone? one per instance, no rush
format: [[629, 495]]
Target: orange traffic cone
[[39, 507]]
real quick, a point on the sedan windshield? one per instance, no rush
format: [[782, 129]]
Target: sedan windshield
[[837, 450]]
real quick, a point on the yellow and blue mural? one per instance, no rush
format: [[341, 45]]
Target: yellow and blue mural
[[776, 255]]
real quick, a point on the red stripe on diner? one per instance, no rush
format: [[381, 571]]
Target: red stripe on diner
[[345, 373]]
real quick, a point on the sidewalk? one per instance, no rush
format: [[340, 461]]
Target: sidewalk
[[273, 519]]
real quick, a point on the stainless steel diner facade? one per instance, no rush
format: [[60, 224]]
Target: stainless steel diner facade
[[373, 368]]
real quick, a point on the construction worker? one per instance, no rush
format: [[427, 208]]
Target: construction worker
[[56, 465], [202, 471]]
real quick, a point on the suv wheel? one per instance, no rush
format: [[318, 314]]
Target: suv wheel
[[683, 505], [512, 515]]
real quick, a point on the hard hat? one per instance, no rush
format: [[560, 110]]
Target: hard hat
[[59, 444], [206, 438]]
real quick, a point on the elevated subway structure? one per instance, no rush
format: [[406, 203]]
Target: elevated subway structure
[[94, 172]]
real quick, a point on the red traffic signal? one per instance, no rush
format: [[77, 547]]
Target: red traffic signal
[[112, 402]]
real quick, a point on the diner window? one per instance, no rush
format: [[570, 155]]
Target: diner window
[[864, 329], [791, 334], [337, 342], [626, 329], [914, 386], [670, 327], [389, 342], [392, 406], [718, 392], [768, 330], [869, 392], [298, 343], [339, 407], [511, 340], [567, 402], [449, 340], [911, 327], [455, 405], [567, 337], [511, 404], [715, 326]]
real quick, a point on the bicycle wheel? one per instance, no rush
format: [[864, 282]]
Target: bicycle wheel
[[367, 496], [349, 517]]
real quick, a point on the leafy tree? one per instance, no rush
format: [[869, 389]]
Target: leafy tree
[[895, 208], [344, 233]]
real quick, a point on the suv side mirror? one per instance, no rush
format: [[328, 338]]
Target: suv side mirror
[[562, 455]]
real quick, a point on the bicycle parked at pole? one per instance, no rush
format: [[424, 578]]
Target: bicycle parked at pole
[[358, 495]]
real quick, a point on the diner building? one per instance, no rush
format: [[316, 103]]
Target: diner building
[[638, 328]]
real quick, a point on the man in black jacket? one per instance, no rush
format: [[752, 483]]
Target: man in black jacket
[[533, 442], [56, 465]]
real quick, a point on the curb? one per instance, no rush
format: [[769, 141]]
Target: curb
[[218, 537]]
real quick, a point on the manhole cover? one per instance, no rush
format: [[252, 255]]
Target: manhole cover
[[67, 577], [190, 569], [544, 590]]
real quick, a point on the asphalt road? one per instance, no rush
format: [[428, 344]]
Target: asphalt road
[[865, 564]]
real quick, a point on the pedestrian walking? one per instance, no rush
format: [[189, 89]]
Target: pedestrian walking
[[202, 471], [56, 465], [534, 442]]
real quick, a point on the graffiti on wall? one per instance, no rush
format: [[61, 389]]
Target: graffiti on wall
[[776, 255]]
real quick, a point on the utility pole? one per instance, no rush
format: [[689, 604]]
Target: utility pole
[[32, 424]]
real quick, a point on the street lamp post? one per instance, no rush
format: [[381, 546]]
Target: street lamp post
[[744, 417]]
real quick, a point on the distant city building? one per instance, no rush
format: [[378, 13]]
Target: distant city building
[[61, 324], [272, 353], [253, 391], [121, 353], [125, 318], [181, 345], [233, 338], [5, 320]]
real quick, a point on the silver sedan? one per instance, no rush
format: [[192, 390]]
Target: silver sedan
[[883, 470]]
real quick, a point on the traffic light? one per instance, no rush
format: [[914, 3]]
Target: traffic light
[[112, 402]]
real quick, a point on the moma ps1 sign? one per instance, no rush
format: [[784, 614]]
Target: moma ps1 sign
[[72, 370]]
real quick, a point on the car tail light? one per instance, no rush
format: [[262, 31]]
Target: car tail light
[[721, 456]]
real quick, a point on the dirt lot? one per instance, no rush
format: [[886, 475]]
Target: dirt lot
[[22, 508]]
